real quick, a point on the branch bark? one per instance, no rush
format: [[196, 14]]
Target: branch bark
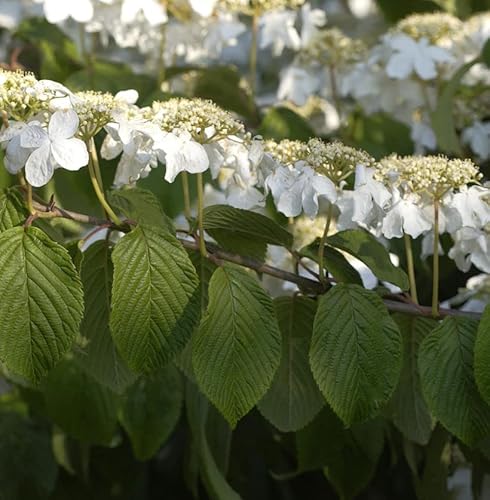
[[219, 256]]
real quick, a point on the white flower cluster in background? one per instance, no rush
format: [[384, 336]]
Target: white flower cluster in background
[[46, 127]]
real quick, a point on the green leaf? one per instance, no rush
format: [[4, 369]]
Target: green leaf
[[443, 118], [369, 250], [197, 408], [27, 466], [82, 407], [41, 302], [238, 346], [155, 298], [243, 232], [151, 410], [394, 11], [283, 123], [293, 400], [12, 209], [485, 53], [141, 206], [355, 352], [482, 356], [408, 407], [58, 55], [100, 358], [446, 374], [336, 264], [349, 457]]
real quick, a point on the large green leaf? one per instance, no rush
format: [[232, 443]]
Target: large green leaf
[[155, 299], [141, 206], [27, 466], [293, 399], [355, 352], [151, 410], [369, 250], [482, 356], [41, 302], [12, 209], [238, 346], [100, 357], [446, 374], [197, 408], [348, 456], [283, 123], [408, 407], [243, 231], [81, 406]]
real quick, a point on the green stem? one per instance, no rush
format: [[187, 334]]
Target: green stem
[[95, 177], [253, 55], [200, 214], [411, 268], [435, 268], [187, 196], [323, 241], [30, 207]]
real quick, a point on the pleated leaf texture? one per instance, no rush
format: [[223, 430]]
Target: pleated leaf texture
[[155, 298], [237, 349], [448, 383], [355, 352], [293, 399], [41, 302]]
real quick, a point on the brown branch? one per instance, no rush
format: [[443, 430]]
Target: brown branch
[[219, 256]]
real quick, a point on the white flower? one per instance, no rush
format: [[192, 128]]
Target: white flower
[[311, 21], [423, 136], [15, 155], [471, 246], [57, 11], [405, 216], [181, 153], [203, 7], [414, 56], [54, 147], [364, 205], [153, 11], [278, 31], [478, 137], [297, 84], [472, 207], [298, 189]]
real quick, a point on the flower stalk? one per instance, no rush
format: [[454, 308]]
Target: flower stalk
[[323, 241], [411, 268], [435, 267], [96, 179], [200, 214]]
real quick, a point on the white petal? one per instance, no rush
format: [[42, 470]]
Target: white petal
[[399, 66], [324, 187], [39, 166], [289, 203], [15, 156], [425, 68], [63, 124], [56, 11], [191, 157], [129, 96], [71, 154], [81, 10], [33, 136], [110, 148], [203, 7]]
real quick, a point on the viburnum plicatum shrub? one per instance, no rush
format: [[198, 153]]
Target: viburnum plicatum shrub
[[176, 275]]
